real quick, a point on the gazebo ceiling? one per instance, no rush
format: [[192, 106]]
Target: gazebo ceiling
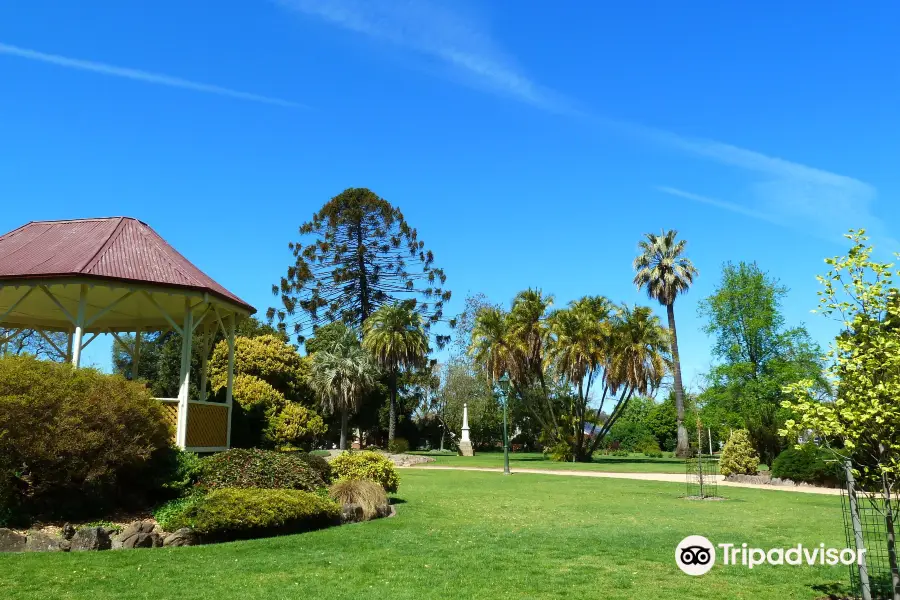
[[132, 278]]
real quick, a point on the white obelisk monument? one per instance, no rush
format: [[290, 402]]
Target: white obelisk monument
[[465, 444]]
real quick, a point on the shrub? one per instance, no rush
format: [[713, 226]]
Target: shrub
[[294, 425], [174, 472], [169, 514], [372, 466], [240, 468], [230, 513], [630, 435], [739, 456], [806, 464], [650, 448], [70, 438], [367, 494], [620, 452], [398, 446], [318, 464]]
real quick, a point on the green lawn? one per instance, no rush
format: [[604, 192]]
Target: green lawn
[[474, 535], [636, 463]]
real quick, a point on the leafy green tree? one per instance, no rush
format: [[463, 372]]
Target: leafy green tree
[[341, 373], [663, 270], [662, 422], [862, 421], [14, 342], [758, 356], [463, 385], [358, 253], [395, 336]]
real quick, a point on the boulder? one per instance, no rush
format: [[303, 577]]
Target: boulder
[[351, 513], [68, 531], [91, 538], [10, 541], [181, 537], [38, 541], [140, 534]]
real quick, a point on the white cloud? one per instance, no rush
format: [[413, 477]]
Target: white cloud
[[729, 206], [137, 75], [434, 29]]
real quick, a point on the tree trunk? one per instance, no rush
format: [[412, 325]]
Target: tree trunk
[[344, 419], [392, 417], [365, 307], [683, 448]]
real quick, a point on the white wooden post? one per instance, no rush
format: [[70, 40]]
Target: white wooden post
[[203, 362], [136, 355], [230, 383], [185, 376], [79, 326]]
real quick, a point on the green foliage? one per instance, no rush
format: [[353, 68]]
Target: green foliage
[[864, 366], [169, 514], [71, 439], [318, 464], [631, 436], [807, 464], [295, 426], [230, 513], [367, 494], [758, 355], [662, 422], [267, 358], [240, 468], [398, 446], [739, 455], [358, 254], [464, 383], [370, 466], [173, 471]]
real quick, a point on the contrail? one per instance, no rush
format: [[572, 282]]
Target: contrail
[[138, 75]]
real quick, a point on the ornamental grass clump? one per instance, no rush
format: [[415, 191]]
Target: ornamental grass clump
[[368, 495]]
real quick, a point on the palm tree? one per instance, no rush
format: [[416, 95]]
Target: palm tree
[[638, 359], [395, 337], [665, 272], [341, 372]]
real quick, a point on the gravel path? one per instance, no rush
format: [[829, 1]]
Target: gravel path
[[666, 477]]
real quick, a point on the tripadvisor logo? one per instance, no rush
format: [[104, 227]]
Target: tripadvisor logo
[[696, 555]]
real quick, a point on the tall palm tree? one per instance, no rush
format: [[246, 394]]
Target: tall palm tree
[[665, 272], [341, 372], [395, 337]]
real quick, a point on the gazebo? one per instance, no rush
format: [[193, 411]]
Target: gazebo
[[115, 276]]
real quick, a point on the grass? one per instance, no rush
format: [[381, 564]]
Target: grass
[[474, 535]]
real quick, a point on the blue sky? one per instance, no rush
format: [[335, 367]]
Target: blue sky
[[530, 146]]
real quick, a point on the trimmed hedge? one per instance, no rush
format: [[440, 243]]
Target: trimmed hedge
[[268, 469], [371, 466], [230, 513], [74, 442], [807, 465], [318, 464]]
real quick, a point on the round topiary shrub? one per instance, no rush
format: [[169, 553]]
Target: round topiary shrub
[[73, 442], [372, 466], [241, 468], [807, 464], [739, 456]]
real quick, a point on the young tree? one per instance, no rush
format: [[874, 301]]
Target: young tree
[[395, 336], [666, 273], [358, 254], [757, 354], [341, 372]]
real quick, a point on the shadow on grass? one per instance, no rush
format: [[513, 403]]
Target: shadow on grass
[[397, 501], [833, 591]]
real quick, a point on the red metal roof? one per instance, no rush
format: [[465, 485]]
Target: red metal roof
[[119, 248]]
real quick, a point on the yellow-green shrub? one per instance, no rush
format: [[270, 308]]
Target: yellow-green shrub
[[71, 439], [739, 456], [295, 425], [371, 466], [242, 513]]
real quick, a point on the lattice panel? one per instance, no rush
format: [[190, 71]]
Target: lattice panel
[[170, 416], [207, 426]]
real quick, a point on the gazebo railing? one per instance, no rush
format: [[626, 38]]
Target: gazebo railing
[[208, 423]]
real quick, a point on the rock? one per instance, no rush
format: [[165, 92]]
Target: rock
[[351, 513], [181, 537], [38, 541], [10, 541], [140, 534], [91, 538], [383, 511], [68, 531]]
